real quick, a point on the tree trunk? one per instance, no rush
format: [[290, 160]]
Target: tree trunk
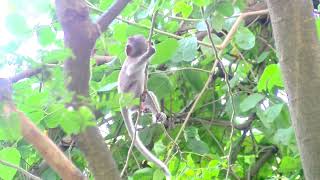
[[299, 53]]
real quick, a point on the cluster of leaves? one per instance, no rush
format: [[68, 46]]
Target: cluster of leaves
[[177, 73]]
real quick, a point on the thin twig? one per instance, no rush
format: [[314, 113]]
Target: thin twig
[[236, 25], [24, 172], [229, 89], [149, 40]]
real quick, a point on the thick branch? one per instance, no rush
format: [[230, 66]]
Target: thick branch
[[49, 151], [80, 35], [106, 18]]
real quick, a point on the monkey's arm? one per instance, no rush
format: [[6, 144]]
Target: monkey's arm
[[140, 64]]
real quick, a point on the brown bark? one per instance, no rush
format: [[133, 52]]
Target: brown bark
[[299, 53], [80, 35]]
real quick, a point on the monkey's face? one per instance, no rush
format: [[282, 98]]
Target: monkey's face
[[136, 46]]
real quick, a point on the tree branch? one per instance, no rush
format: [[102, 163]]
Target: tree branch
[[49, 151], [263, 158], [106, 18]]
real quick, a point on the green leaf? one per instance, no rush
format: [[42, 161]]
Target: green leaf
[[191, 133], [186, 51], [289, 164], [41, 6], [143, 174], [270, 114], [164, 51], [160, 84], [10, 127], [17, 25], [273, 112], [183, 8], [198, 146], [158, 175], [120, 32], [12, 156], [217, 22], [108, 87], [58, 55], [318, 27], [128, 99], [105, 4], [171, 26], [76, 121], [270, 78], [201, 3], [86, 115], [70, 123], [225, 8], [196, 78], [284, 137], [244, 38], [45, 35], [54, 116], [201, 26], [250, 102], [263, 56]]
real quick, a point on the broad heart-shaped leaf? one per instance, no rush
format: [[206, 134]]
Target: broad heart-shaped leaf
[[160, 84], [183, 8], [270, 78], [12, 156], [45, 35], [17, 25], [75, 121], [289, 164], [164, 51], [225, 8], [250, 102], [284, 136], [186, 51], [244, 38], [217, 22]]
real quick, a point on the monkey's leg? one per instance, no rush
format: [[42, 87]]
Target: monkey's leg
[[150, 102]]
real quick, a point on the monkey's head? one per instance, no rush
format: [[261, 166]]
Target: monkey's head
[[136, 46]]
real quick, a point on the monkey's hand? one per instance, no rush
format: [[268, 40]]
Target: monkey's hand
[[151, 49]]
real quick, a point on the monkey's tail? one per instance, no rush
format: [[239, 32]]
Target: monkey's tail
[[140, 146]]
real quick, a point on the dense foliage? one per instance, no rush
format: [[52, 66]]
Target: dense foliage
[[242, 114]]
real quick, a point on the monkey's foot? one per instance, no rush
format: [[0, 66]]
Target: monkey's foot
[[161, 117]]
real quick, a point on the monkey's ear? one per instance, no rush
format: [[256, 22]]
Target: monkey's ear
[[128, 50]]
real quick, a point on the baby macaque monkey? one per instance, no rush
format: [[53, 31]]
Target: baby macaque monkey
[[132, 80]]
